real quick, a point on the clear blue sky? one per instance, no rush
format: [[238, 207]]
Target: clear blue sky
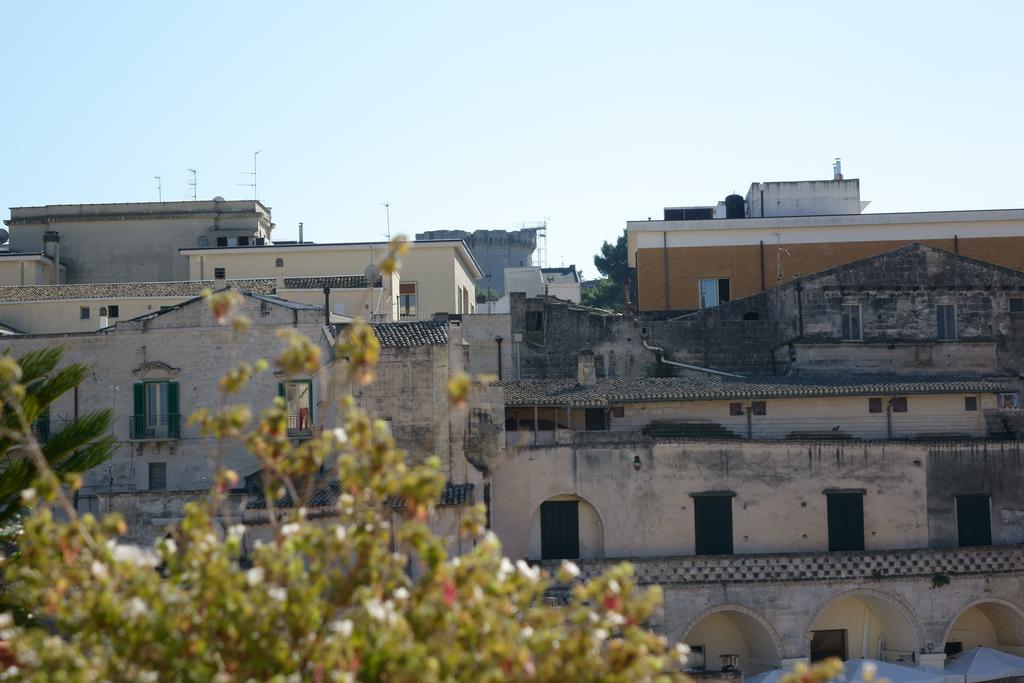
[[485, 114]]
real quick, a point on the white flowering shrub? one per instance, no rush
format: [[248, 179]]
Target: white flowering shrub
[[329, 600]]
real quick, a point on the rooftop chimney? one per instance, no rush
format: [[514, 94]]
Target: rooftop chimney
[[220, 279], [51, 248], [837, 169], [279, 264], [586, 371]]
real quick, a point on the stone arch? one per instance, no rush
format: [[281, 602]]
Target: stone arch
[[591, 528], [736, 629], [878, 625], [990, 622]]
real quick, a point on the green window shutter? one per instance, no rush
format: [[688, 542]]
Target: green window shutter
[[173, 411], [138, 409]]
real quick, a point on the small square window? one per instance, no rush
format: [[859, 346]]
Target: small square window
[[759, 408], [113, 312], [618, 411], [83, 313], [735, 408], [874, 405], [1009, 400], [899, 404], [970, 402], [1016, 305]]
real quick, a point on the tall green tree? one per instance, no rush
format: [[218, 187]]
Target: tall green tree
[[81, 444], [613, 263]]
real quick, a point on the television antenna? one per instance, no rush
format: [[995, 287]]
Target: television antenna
[[159, 189], [387, 214], [255, 191], [193, 183]]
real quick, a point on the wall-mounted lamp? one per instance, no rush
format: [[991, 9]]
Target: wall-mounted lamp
[[636, 463]]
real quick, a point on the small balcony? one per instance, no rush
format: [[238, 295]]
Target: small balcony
[[300, 426], [154, 427]]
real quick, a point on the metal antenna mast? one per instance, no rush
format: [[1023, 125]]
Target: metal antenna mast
[[387, 214], [193, 183], [159, 189], [255, 192]]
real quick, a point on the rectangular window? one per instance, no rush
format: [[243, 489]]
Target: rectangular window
[[973, 521], [535, 321], [157, 476], [874, 405], [222, 241], [759, 407], [713, 291], [560, 530], [298, 396], [845, 521], [851, 323], [407, 300], [899, 404], [596, 420], [712, 517], [735, 408], [1016, 305], [946, 321], [113, 312], [1009, 400], [156, 412], [83, 313], [618, 411], [828, 643], [970, 403]]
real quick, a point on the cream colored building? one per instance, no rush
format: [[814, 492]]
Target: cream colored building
[[436, 276]]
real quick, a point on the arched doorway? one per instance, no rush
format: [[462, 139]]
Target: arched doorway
[[864, 624], [733, 630], [566, 527], [987, 623]]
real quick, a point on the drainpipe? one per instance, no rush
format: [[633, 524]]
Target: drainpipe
[[800, 306], [956, 244], [498, 341], [517, 339], [762, 265], [750, 422], [888, 420], [661, 359]]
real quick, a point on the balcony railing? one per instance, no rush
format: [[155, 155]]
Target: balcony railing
[[819, 566], [300, 425], [155, 427]]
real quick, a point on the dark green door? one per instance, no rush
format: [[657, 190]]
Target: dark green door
[[560, 530], [973, 520], [845, 521], [713, 524]]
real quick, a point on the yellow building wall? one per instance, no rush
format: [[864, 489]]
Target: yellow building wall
[[52, 317], [742, 265]]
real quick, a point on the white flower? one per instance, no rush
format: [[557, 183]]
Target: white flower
[[99, 570], [290, 529], [614, 587], [302, 513], [682, 649], [868, 672], [343, 628], [277, 593], [375, 608], [236, 531], [169, 546], [339, 435], [601, 634], [255, 576], [505, 569], [133, 554], [136, 607], [401, 593], [28, 496], [6, 620], [527, 632], [526, 571], [340, 533], [616, 619], [570, 569]]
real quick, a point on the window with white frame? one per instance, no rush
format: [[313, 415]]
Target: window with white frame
[[946, 321], [713, 291], [852, 330], [407, 299]]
